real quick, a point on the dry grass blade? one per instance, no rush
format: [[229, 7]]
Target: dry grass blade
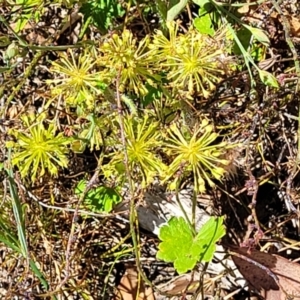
[[274, 276]]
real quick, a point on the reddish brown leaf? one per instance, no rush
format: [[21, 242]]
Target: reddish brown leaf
[[274, 276]]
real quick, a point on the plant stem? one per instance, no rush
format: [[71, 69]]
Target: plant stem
[[133, 219], [286, 28]]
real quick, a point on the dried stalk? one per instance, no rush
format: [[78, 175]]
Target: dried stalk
[[286, 28]]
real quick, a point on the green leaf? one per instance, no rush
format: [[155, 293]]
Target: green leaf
[[176, 246], [244, 36], [175, 8], [11, 51], [259, 35], [4, 41], [204, 25], [21, 22], [205, 6], [98, 199], [80, 187], [257, 52], [182, 248], [153, 93], [268, 79], [162, 8], [102, 12], [209, 234], [38, 274]]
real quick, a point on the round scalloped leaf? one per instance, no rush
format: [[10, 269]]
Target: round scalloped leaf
[[180, 246]]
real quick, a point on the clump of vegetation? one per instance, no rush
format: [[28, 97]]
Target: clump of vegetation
[[191, 61], [196, 153], [127, 58], [38, 149], [143, 138], [76, 79], [127, 97]]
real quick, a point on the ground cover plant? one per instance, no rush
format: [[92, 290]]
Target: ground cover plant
[[103, 102]]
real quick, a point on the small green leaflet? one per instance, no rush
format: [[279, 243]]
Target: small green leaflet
[[268, 79], [209, 234], [178, 245], [203, 22], [204, 25], [259, 35], [98, 199]]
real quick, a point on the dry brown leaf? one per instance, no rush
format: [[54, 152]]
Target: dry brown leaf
[[188, 284], [276, 277], [181, 284], [295, 26], [128, 287]]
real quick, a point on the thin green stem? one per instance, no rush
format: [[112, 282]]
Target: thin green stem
[[133, 219], [247, 57]]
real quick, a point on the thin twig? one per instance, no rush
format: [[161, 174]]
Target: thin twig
[[252, 184], [66, 209], [72, 238], [286, 28]]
